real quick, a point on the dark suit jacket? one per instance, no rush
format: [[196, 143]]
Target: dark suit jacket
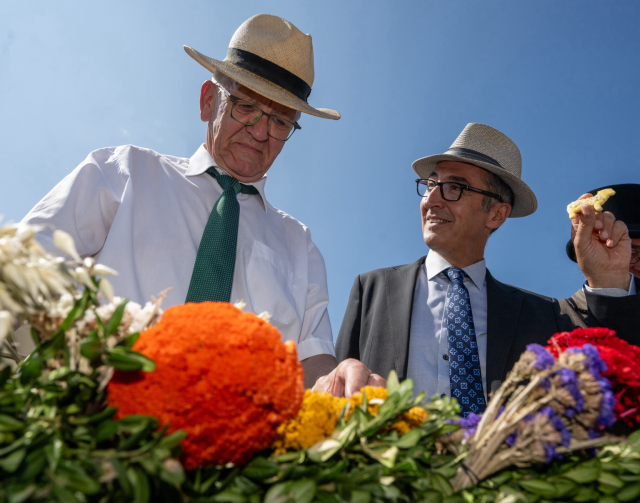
[[376, 325]]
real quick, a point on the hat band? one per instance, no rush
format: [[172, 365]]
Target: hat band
[[467, 153], [269, 71]]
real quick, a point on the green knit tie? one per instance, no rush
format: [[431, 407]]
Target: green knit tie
[[212, 275]]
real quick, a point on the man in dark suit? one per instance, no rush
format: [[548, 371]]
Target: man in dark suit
[[625, 205], [444, 321]]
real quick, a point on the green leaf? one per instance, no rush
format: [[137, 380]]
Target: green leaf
[[11, 463], [10, 423], [170, 441], [140, 484], [22, 494], [392, 382], [123, 358], [91, 348], [231, 495], [105, 430], [303, 491], [129, 340], [260, 469], [441, 484], [278, 493], [112, 325], [361, 496], [172, 472], [409, 439]]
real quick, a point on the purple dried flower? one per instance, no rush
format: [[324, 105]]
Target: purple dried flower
[[511, 439], [594, 363], [545, 384], [471, 421], [544, 359], [607, 417], [550, 451], [569, 380]]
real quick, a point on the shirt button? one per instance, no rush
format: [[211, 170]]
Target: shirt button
[[443, 395], [445, 357]]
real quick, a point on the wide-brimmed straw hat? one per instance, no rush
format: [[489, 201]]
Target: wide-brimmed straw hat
[[270, 56], [488, 149], [625, 206]]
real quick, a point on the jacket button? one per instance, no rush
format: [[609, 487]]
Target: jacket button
[[445, 357]]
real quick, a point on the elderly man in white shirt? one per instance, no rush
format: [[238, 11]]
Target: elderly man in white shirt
[[203, 226]]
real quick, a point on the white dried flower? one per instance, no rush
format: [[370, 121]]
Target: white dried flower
[[6, 324], [107, 289], [241, 304], [82, 276], [65, 243], [264, 315], [103, 270]]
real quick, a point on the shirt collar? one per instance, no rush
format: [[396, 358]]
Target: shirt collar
[[436, 263], [201, 161]]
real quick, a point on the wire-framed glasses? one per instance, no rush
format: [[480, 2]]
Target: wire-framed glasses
[[248, 114], [450, 191], [635, 254]]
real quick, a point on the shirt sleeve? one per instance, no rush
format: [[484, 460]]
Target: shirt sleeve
[[83, 204], [316, 337], [613, 292]]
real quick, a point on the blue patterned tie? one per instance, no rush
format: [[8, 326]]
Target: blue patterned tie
[[464, 364]]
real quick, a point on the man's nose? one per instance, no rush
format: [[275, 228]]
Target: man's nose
[[433, 198], [259, 129]]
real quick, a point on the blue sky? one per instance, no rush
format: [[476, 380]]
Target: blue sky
[[560, 77]]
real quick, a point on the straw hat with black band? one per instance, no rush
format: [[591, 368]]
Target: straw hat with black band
[[270, 56], [489, 149], [625, 206]]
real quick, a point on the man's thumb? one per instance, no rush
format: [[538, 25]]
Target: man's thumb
[[585, 227]]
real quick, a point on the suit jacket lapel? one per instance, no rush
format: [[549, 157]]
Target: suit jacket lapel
[[503, 310], [401, 285]]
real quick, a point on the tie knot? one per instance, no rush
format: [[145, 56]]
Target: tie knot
[[227, 181], [456, 274]]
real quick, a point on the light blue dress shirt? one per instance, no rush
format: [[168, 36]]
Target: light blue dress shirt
[[428, 342]]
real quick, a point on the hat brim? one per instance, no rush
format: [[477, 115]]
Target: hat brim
[[634, 233], [525, 202], [260, 85]]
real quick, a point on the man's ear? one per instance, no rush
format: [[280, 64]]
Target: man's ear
[[497, 215], [208, 98]]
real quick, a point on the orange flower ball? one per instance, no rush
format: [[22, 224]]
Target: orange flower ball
[[223, 376]]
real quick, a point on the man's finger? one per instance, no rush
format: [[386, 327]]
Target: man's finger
[[608, 220], [376, 380], [585, 227], [356, 377], [619, 231]]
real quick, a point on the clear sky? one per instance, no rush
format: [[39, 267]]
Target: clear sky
[[560, 77]]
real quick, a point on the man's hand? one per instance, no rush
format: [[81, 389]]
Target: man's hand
[[348, 378], [603, 248]]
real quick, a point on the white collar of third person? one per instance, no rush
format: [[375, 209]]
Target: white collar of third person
[[436, 264], [201, 161]]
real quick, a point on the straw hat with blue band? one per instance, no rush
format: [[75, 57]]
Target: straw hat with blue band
[[487, 148], [270, 56]]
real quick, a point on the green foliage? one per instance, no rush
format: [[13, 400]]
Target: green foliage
[[58, 440]]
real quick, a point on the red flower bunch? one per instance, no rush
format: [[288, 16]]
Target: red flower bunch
[[623, 365], [222, 376]]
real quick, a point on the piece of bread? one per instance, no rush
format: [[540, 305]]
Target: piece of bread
[[596, 201]]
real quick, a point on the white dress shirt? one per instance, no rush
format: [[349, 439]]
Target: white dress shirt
[[143, 214], [428, 336]]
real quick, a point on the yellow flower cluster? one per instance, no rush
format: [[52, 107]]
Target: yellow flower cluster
[[315, 421], [319, 415]]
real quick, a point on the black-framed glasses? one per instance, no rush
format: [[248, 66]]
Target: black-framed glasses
[[450, 191], [635, 254], [248, 114]]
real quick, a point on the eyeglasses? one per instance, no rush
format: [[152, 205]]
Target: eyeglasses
[[635, 255], [450, 191], [248, 114]]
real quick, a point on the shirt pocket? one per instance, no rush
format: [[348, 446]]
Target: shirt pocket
[[270, 284]]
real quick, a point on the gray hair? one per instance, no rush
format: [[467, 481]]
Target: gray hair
[[499, 187], [232, 86]]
